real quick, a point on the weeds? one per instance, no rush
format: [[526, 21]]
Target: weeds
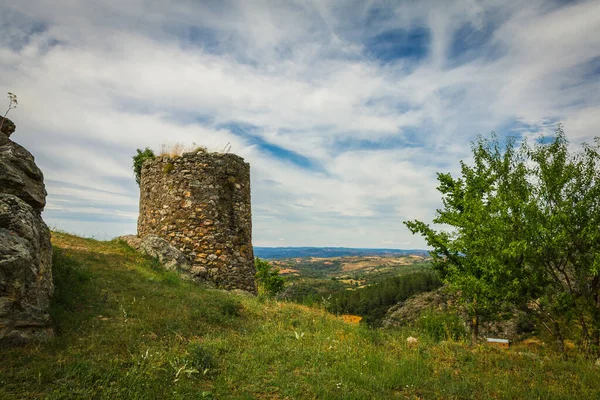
[[177, 149], [138, 162], [128, 334], [441, 326]]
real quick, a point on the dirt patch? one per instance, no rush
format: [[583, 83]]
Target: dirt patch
[[353, 281], [373, 262], [289, 271], [351, 319]]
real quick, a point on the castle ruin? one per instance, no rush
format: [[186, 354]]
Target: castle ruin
[[200, 203]]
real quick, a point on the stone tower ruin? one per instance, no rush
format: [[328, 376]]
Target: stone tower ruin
[[200, 203]]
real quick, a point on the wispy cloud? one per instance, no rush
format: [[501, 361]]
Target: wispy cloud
[[345, 110]]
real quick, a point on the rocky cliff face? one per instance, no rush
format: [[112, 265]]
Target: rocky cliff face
[[25, 251], [7, 127]]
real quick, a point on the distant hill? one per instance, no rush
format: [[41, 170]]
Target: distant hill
[[294, 252]]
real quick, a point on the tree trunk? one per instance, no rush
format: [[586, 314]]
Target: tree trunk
[[475, 328], [560, 341], [596, 317]]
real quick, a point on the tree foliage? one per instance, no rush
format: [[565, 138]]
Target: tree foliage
[[269, 281], [523, 232], [138, 161], [372, 302]]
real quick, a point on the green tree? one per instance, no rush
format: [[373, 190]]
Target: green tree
[[523, 233], [565, 220], [480, 255], [138, 161], [269, 281]]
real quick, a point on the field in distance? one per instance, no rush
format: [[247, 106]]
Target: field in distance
[[353, 271], [314, 279]]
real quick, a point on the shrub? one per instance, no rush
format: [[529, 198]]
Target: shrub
[[441, 326], [269, 281], [519, 229], [138, 162]]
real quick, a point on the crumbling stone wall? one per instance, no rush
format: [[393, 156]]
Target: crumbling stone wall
[[200, 203]]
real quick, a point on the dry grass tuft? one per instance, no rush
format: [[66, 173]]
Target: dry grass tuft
[[177, 149]]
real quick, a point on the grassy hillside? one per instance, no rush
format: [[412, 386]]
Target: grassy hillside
[[128, 330]]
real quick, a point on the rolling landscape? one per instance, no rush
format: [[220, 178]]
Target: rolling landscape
[[274, 253], [300, 199]]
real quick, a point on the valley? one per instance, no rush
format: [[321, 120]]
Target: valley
[[362, 285]]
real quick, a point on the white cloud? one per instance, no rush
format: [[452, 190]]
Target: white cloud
[[96, 80]]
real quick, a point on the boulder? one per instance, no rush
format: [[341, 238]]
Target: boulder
[[26, 285], [155, 246], [25, 273], [19, 175], [132, 241]]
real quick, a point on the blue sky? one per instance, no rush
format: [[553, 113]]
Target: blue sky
[[345, 109]]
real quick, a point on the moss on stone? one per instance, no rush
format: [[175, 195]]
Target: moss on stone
[[168, 168]]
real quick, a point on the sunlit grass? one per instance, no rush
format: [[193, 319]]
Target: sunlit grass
[[126, 329]]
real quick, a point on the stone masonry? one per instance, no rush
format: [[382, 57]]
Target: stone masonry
[[200, 203]]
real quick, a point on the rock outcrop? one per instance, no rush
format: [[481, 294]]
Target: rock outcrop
[[8, 127], [19, 175], [155, 246], [514, 325], [26, 284], [409, 311]]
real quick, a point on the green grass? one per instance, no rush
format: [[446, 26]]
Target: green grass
[[127, 330]]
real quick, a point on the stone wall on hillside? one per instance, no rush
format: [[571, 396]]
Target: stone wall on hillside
[[200, 203], [26, 284]]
